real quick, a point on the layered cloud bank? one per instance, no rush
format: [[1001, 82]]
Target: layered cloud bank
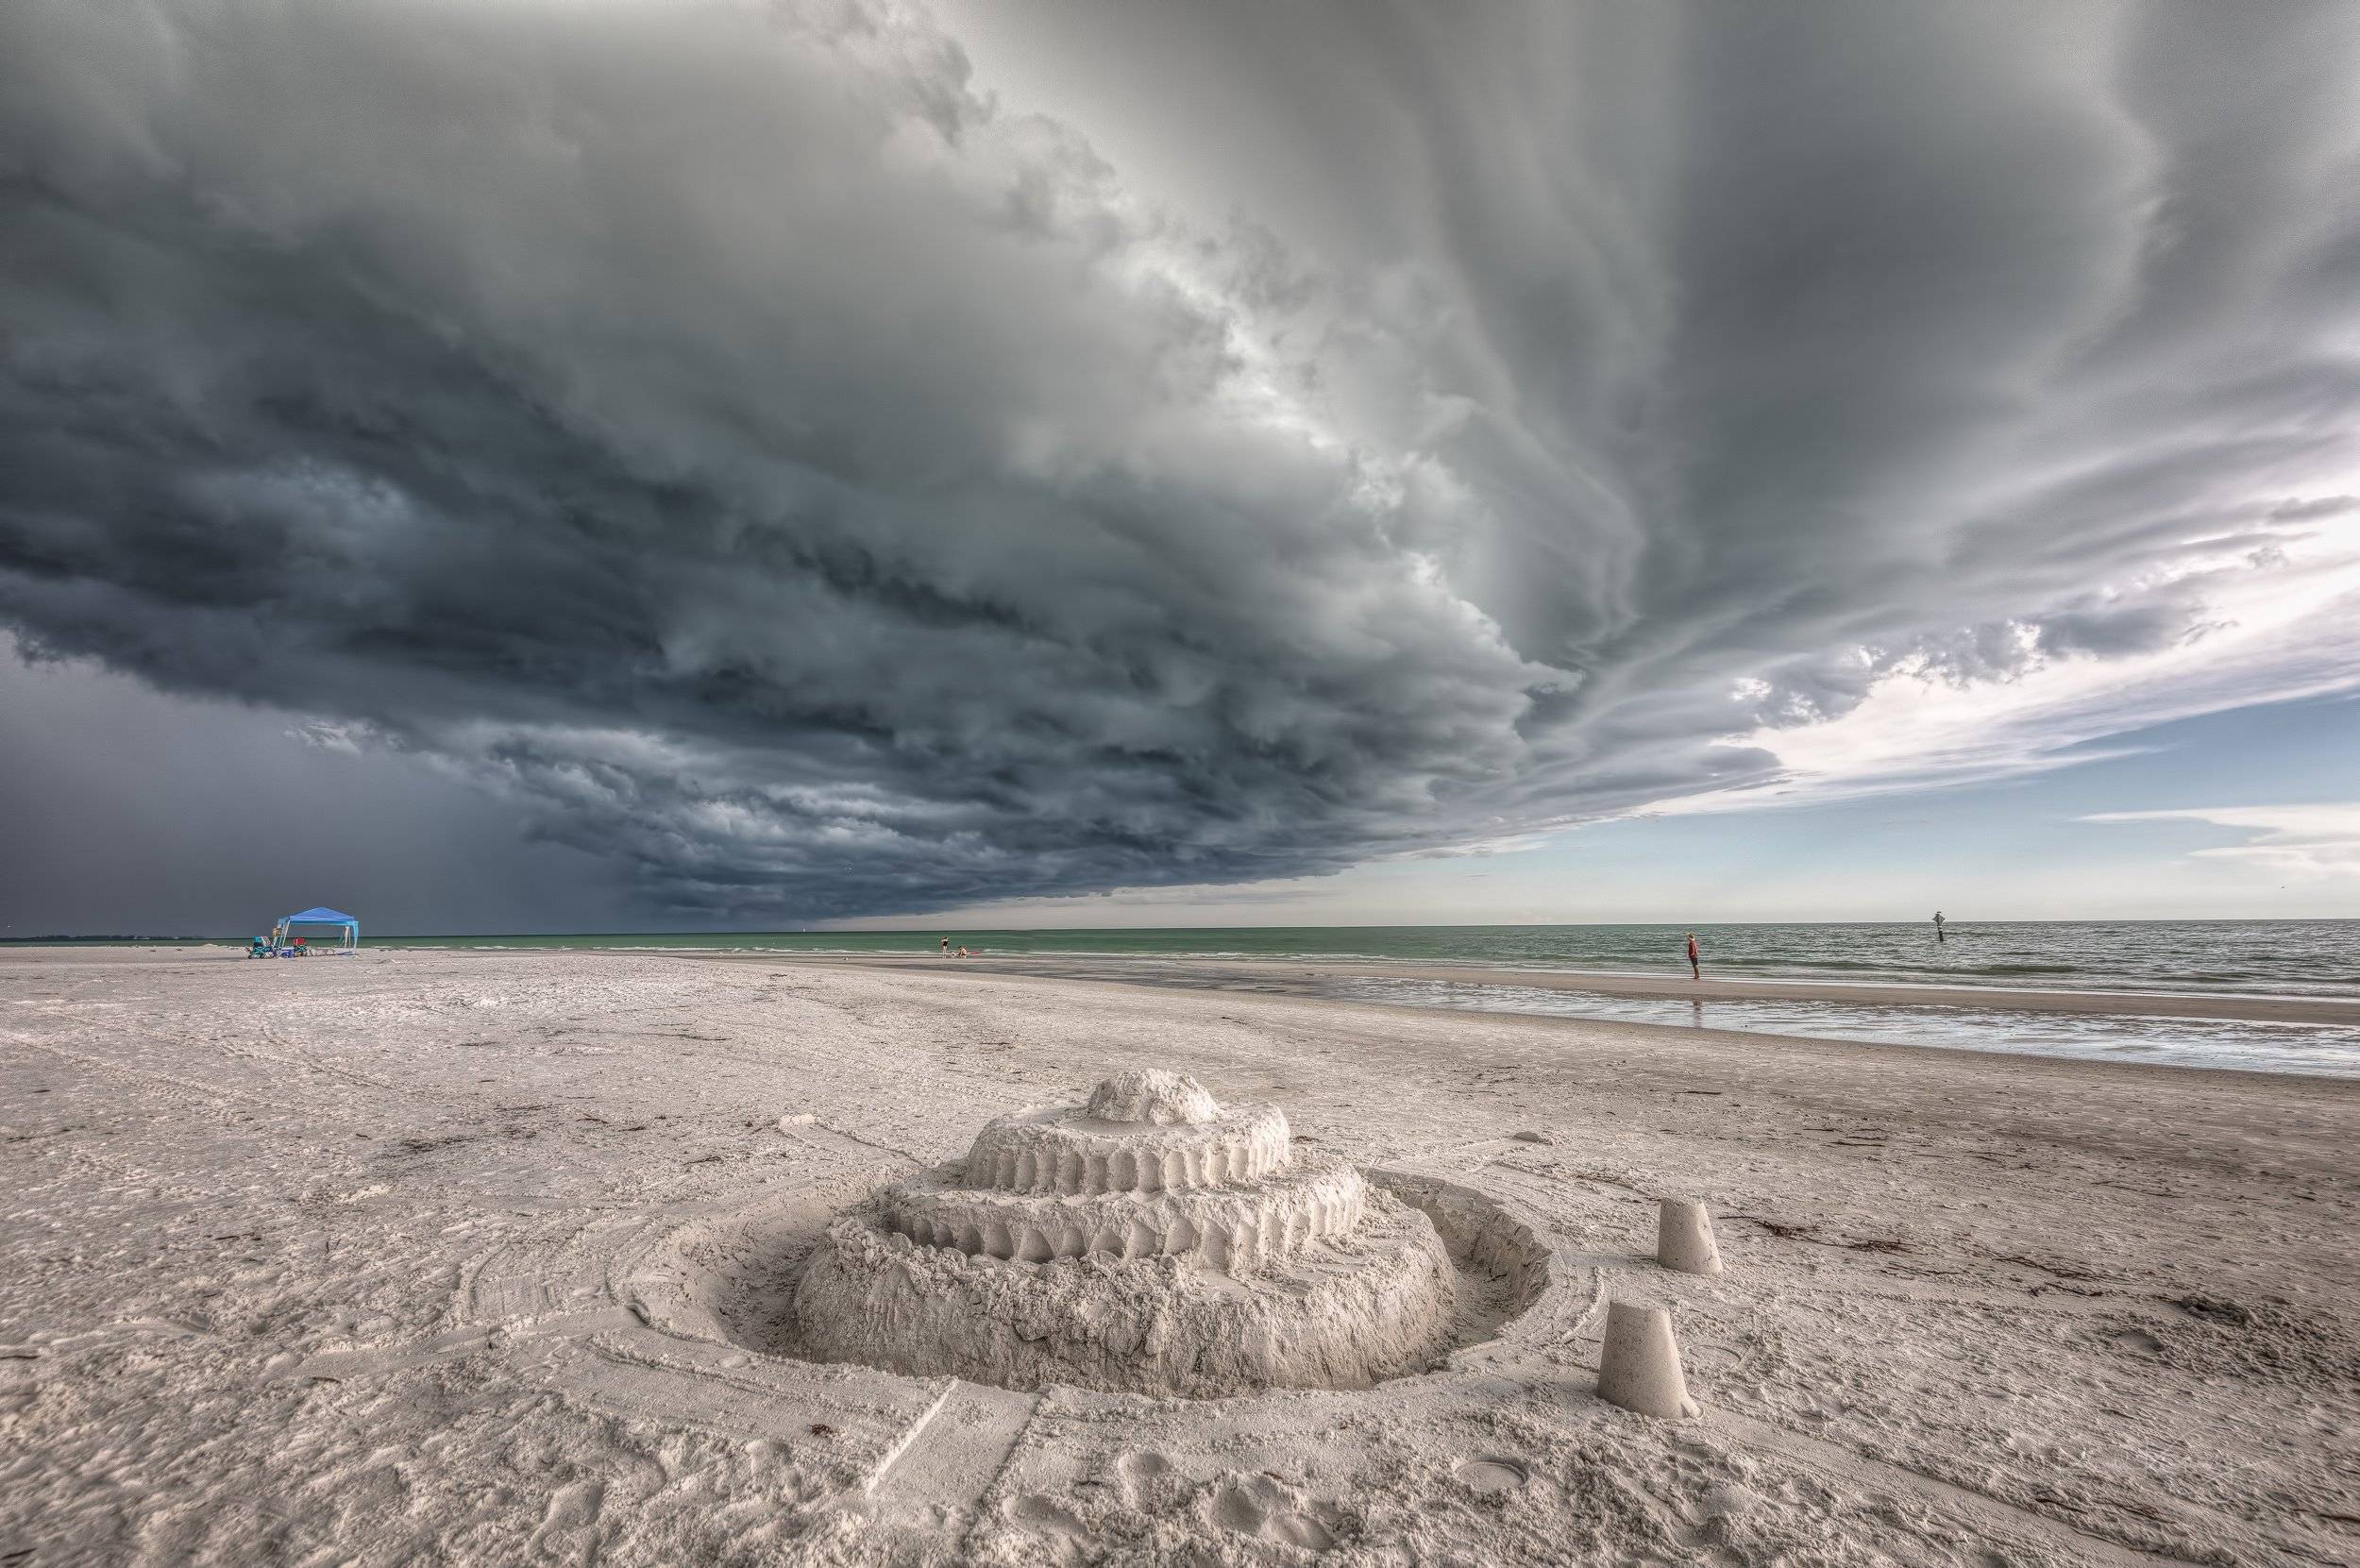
[[783, 459], [2320, 840]]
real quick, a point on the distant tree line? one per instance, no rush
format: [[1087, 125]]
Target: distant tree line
[[58, 937]]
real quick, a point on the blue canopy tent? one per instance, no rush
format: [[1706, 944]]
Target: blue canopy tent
[[348, 928]]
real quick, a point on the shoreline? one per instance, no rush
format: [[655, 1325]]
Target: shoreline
[[1727, 979], [2255, 1007], [1839, 1050], [2312, 1038], [2328, 1011]]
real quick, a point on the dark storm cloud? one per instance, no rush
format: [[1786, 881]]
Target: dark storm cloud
[[831, 487], [136, 812]]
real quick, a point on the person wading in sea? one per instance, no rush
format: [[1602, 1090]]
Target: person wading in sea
[[1696, 970], [1938, 936]]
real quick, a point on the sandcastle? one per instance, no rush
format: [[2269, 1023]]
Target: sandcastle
[[1149, 1240]]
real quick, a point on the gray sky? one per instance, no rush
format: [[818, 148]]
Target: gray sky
[[743, 463]]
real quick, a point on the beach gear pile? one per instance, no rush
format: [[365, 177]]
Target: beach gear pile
[[283, 943]]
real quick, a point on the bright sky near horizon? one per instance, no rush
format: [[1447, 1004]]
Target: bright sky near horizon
[[730, 464]]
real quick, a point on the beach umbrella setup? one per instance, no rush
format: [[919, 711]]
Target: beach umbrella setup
[[347, 928]]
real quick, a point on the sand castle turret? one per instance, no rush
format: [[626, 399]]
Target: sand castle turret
[[1639, 1367], [1683, 1237], [1148, 1239]]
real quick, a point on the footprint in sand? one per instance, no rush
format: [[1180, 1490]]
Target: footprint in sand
[[1144, 1480], [1045, 1516], [1268, 1511], [571, 1508]]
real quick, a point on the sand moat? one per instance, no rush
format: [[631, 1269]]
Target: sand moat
[[490, 1258]]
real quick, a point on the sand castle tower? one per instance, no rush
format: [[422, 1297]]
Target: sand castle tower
[[1150, 1240]]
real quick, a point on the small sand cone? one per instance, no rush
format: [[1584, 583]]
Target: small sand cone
[[1641, 1367], [1683, 1237]]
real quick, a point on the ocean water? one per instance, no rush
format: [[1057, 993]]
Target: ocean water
[[2203, 957]]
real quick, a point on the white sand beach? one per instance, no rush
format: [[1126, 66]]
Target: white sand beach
[[465, 1256]]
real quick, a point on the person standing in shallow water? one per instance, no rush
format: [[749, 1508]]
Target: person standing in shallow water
[[1938, 936], [1696, 970]]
